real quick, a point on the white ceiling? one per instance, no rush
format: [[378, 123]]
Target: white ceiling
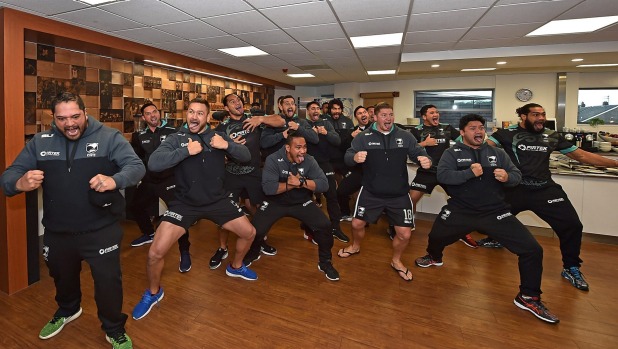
[[314, 35]]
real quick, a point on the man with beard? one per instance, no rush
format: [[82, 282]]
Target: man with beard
[[197, 154], [328, 138], [383, 150], [474, 175], [243, 177], [289, 179], [79, 163], [324, 111], [352, 181], [530, 144], [154, 185], [435, 137], [371, 112], [344, 126], [273, 138]]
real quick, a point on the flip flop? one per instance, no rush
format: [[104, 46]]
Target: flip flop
[[345, 254], [402, 273]]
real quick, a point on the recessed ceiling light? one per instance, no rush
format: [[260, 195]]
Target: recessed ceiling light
[[478, 69], [501, 62], [95, 2], [381, 72], [246, 51], [302, 75], [577, 59], [377, 40], [435, 65], [597, 65], [571, 26]]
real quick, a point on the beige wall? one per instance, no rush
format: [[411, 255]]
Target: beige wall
[[543, 86]]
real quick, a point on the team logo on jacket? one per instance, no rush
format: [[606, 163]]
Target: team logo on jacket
[[493, 160], [264, 206], [162, 138], [50, 153], [91, 149], [399, 142], [445, 214], [45, 253], [301, 170], [360, 211]]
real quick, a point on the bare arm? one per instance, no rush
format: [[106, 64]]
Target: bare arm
[[591, 159]]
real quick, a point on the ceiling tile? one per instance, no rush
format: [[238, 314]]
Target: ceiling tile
[[434, 36], [227, 41], [157, 12], [474, 44], [428, 47], [322, 31], [209, 8], [145, 35], [301, 14], [427, 6], [292, 47], [376, 26], [93, 17], [445, 20], [335, 53], [244, 22], [261, 4], [46, 7], [535, 12], [268, 37], [501, 31], [179, 46], [193, 29], [330, 44], [592, 8], [352, 10]]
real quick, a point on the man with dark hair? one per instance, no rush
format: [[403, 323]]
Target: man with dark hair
[[243, 178], [529, 145], [474, 174], [289, 179], [324, 111], [256, 109], [328, 138], [273, 138], [371, 111], [352, 180], [344, 126], [435, 137], [383, 150], [154, 185], [197, 154], [80, 164]]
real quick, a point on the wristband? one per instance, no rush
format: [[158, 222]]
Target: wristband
[[302, 181]]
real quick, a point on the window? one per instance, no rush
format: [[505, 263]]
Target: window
[[598, 103], [453, 104]]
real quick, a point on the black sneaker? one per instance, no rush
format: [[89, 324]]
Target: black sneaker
[[215, 260], [185, 262], [339, 235], [250, 259], [426, 261], [488, 243], [576, 278], [267, 249], [391, 232], [327, 268], [536, 307]]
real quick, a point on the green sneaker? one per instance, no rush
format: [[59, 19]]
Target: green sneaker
[[55, 325], [120, 340]]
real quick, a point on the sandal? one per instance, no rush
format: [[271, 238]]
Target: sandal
[[403, 274], [345, 254]]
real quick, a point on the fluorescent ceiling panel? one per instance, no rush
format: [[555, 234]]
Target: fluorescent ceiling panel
[[572, 26], [247, 51], [95, 2], [304, 75], [381, 72], [376, 40]]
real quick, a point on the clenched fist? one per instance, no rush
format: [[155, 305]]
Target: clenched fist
[[194, 147], [477, 169], [30, 180], [360, 157], [218, 142]]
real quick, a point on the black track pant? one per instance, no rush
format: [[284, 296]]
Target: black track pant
[[332, 205], [308, 213], [64, 253], [350, 184], [453, 224], [553, 206]]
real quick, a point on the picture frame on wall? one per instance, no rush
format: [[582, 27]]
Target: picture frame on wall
[[127, 80], [45, 53], [30, 108], [92, 88], [111, 115], [29, 66], [171, 75], [138, 69]]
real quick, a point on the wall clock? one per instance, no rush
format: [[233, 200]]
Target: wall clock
[[523, 94]]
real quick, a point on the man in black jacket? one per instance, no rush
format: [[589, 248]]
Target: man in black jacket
[[79, 163], [474, 175], [383, 150], [154, 185], [197, 154], [289, 178]]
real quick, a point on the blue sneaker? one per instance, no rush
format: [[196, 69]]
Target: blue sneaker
[[242, 272], [142, 240], [148, 301]]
